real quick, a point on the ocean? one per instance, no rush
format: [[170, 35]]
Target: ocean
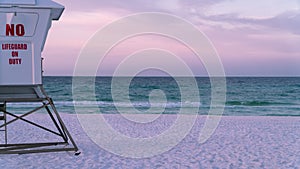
[[245, 96]]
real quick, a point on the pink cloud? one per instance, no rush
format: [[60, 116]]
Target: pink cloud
[[247, 46]]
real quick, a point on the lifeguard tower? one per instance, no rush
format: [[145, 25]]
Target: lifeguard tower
[[24, 25]]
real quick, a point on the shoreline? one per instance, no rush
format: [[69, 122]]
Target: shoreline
[[200, 115]]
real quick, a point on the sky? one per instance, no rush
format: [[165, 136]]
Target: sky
[[252, 37]]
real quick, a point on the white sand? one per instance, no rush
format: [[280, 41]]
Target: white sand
[[239, 142]]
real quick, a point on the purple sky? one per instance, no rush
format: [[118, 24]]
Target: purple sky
[[252, 37]]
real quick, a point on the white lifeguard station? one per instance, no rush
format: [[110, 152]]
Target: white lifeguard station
[[24, 26]]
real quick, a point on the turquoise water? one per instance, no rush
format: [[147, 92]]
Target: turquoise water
[[246, 96]]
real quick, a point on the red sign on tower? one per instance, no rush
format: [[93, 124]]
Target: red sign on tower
[[12, 30]]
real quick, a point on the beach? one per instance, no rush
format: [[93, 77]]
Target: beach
[[238, 142]]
